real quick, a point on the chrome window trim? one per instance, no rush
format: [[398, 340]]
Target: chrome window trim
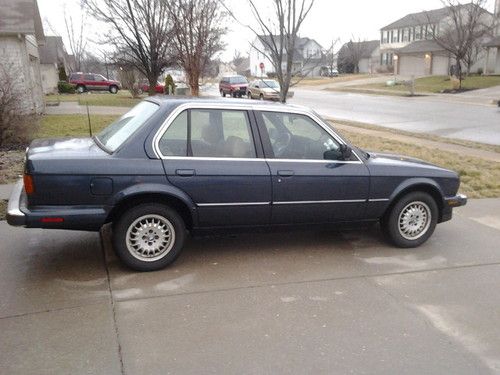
[[253, 107]]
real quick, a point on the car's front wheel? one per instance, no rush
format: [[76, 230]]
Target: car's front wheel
[[412, 220], [222, 93], [148, 237]]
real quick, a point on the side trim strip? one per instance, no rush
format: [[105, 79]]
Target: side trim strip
[[319, 202], [233, 204], [379, 200]]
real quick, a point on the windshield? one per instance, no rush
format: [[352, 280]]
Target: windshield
[[270, 83], [119, 131], [240, 79]]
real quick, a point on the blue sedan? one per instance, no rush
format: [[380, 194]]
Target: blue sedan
[[173, 166]]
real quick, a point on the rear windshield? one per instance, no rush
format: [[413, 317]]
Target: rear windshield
[[114, 135], [240, 79]]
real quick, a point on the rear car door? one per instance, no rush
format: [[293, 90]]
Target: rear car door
[[214, 156], [308, 188]]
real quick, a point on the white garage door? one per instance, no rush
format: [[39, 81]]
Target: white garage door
[[440, 65], [411, 66]]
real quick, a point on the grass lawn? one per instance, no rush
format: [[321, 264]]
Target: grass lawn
[[480, 178], [435, 84], [317, 81], [121, 99]]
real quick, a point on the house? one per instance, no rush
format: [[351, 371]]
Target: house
[[365, 53], [308, 56], [408, 45], [21, 33], [492, 59], [53, 57]]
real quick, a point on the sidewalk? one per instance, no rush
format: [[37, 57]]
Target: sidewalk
[[73, 108]]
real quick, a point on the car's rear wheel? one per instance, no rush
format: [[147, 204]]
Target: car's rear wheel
[[412, 220], [261, 97], [80, 89], [113, 89], [148, 237], [222, 93]]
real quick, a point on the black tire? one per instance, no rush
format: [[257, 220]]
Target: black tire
[[249, 95], [233, 95], [417, 205], [113, 89], [129, 219], [261, 97], [80, 89], [222, 93]]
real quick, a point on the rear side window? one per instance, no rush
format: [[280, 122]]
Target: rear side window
[[210, 133], [75, 77], [89, 77]]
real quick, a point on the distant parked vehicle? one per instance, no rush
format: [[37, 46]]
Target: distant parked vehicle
[[264, 89], [159, 88], [90, 81], [235, 86]]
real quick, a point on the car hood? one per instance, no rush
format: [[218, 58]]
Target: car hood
[[63, 148], [411, 165]]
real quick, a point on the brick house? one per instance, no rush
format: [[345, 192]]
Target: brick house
[[52, 57], [21, 33]]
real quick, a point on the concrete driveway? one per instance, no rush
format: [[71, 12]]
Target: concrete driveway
[[315, 302]]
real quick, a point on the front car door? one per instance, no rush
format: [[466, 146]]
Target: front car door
[[311, 181], [214, 156]]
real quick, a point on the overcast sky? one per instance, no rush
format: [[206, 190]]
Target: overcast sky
[[327, 21]]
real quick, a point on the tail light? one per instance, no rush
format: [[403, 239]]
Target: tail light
[[29, 186]]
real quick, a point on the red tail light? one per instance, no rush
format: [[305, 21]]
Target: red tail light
[[29, 186]]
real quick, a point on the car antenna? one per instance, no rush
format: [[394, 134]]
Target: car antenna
[[88, 117]]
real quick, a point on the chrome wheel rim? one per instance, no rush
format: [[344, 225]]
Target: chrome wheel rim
[[414, 220], [150, 237]]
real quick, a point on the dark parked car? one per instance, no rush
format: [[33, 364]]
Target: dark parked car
[[170, 166], [235, 86], [90, 81]]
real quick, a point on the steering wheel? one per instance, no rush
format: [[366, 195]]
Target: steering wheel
[[282, 143]]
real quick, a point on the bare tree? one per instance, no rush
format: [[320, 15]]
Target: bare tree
[[332, 57], [278, 35], [196, 36], [76, 37], [460, 31], [140, 31]]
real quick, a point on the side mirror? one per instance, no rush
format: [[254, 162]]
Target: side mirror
[[344, 152], [256, 86]]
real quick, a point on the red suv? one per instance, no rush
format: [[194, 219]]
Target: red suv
[[234, 86], [90, 81]]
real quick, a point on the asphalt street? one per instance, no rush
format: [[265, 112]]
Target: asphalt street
[[426, 114], [303, 302]]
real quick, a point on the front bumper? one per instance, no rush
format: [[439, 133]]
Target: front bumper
[[15, 215], [456, 201], [449, 204]]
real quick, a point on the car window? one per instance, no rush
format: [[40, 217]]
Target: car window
[[114, 135], [88, 77], [99, 77], [295, 136], [221, 133], [174, 141], [237, 80]]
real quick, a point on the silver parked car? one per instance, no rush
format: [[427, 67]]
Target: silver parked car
[[264, 89]]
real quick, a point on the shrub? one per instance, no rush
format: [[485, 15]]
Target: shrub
[[62, 73], [15, 128], [65, 88], [480, 71]]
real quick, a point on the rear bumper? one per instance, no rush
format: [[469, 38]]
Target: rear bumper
[[15, 216], [53, 217]]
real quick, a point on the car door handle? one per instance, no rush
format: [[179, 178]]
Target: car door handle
[[185, 172], [286, 173]]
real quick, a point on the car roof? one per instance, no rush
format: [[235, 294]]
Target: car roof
[[214, 101]]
